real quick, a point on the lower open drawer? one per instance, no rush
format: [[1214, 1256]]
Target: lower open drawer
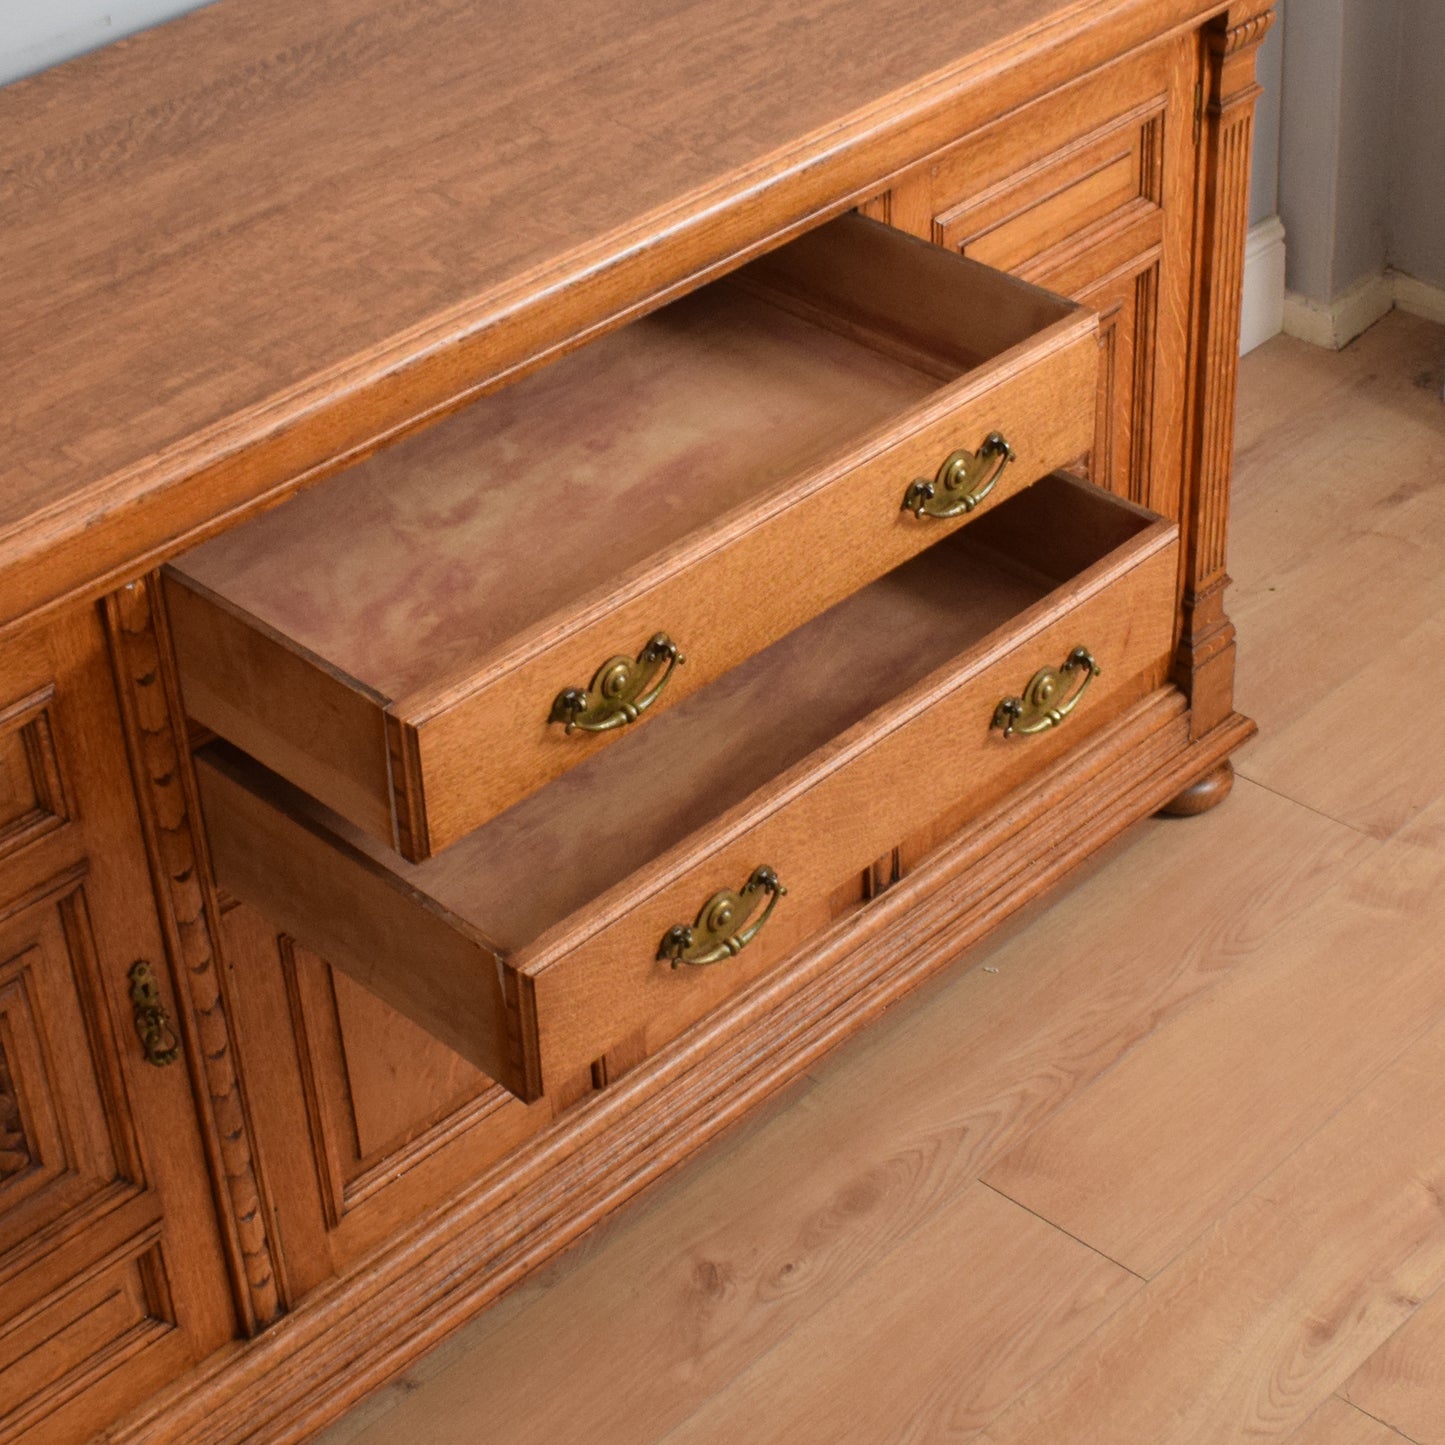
[[641, 890]]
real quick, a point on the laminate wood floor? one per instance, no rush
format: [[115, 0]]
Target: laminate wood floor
[[1166, 1163]]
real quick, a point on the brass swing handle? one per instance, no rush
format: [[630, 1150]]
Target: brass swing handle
[[621, 690], [152, 1022], [722, 929], [1041, 707], [962, 482]]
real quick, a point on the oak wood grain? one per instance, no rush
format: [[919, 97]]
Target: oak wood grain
[[444, 592], [959, 1319], [799, 760], [1254, 1326], [1139, 1164], [1318, 673], [1400, 1383], [113, 1268], [324, 280], [756, 1241]]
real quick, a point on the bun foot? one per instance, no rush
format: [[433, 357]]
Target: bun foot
[[1209, 792]]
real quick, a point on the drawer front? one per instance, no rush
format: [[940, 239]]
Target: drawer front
[[479, 753], [592, 992], [394, 645], [594, 982]]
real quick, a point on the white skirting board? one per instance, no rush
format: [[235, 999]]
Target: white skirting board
[[1357, 309], [1263, 313]]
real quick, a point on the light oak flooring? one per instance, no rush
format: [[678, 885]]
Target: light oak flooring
[[1166, 1163]]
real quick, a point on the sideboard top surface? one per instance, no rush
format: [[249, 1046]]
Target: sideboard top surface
[[266, 234]]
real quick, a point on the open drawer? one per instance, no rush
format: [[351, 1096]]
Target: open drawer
[[626, 900], [444, 628]]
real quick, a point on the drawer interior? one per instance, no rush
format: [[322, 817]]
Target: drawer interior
[[551, 855], [396, 640], [432, 554]]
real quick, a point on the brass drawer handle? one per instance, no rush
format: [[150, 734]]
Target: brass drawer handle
[[962, 482], [621, 690], [722, 930], [1039, 708], [152, 1022]]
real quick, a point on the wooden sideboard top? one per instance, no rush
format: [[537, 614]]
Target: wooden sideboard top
[[260, 238]]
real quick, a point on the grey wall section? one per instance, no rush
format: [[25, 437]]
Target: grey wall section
[[1417, 179], [1362, 142], [1264, 171], [38, 33], [1309, 139], [1341, 66], [1369, 73]]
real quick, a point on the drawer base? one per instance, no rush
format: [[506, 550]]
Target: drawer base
[[351, 1335]]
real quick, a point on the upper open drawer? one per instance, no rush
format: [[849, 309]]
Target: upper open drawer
[[449, 625]]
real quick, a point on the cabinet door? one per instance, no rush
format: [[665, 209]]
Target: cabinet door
[[1089, 192], [112, 1278], [365, 1121]]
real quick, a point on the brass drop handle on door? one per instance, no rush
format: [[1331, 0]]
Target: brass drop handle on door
[[1047, 700], [621, 690], [722, 929], [962, 481]]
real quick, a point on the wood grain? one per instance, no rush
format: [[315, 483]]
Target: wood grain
[[798, 760], [1138, 1165], [1400, 1383], [113, 1263], [1253, 1327], [932, 1342], [970, 1308], [323, 281], [1342, 755], [895, 1129], [444, 592], [1315, 672], [1205, 666]]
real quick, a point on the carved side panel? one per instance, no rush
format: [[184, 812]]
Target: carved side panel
[[64, 1120], [370, 1122], [111, 1278], [17, 1150], [382, 1095], [153, 721], [111, 1313], [32, 791], [1206, 654], [82, 1275]]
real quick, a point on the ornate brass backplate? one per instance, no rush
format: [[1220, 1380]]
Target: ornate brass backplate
[[621, 690], [1044, 704], [152, 1022], [722, 929], [963, 480]]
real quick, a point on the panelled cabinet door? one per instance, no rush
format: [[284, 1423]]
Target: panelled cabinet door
[[112, 1280], [1090, 193]]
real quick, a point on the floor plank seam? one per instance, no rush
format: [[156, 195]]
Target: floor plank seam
[[1394, 1430], [1044, 1219], [1227, 1207], [1243, 776]]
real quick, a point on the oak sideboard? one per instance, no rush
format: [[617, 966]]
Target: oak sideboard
[[553, 563]]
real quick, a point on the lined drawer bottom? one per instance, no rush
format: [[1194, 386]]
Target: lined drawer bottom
[[625, 901]]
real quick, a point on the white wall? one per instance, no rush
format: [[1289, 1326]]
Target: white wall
[[37, 33]]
